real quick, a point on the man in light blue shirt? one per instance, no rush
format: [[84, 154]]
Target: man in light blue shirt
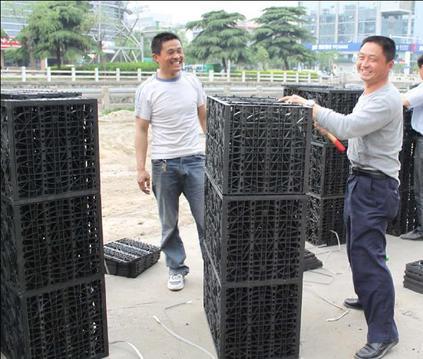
[[413, 99]]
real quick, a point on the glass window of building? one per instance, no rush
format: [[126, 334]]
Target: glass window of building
[[327, 22], [346, 21], [311, 18], [395, 25], [14, 15], [367, 12]]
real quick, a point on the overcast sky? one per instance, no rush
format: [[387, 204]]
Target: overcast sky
[[184, 11]]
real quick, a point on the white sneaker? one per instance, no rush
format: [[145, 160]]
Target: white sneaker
[[176, 281]]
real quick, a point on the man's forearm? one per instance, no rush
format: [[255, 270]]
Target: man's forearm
[[356, 124], [202, 114], [141, 145], [203, 124]]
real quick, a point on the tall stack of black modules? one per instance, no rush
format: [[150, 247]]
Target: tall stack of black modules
[[328, 168], [406, 219], [256, 182], [52, 279]]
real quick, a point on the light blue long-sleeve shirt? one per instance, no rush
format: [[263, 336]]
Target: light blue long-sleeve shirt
[[374, 130], [415, 98]]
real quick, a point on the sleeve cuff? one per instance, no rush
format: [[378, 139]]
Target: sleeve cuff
[[142, 115]]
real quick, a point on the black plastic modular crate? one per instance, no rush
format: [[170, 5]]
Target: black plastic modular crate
[[252, 322], [416, 277], [406, 173], [315, 86], [21, 94], [66, 322], [415, 267], [338, 99], [129, 258], [325, 214], [257, 145], [48, 147], [413, 278], [50, 242], [408, 131], [406, 219], [255, 238], [328, 170], [413, 285]]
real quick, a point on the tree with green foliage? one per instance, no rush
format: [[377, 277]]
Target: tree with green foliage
[[25, 55], [57, 28], [260, 57], [219, 39], [281, 33], [326, 60]]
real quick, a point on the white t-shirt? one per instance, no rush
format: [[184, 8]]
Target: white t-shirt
[[171, 106]]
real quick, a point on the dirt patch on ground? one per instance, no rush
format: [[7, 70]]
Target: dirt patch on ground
[[127, 212]]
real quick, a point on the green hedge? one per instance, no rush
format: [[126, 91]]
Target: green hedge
[[152, 66], [123, 66], [313, 74], [277, 72]]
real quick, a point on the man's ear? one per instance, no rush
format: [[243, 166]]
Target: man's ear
[[155, 56]]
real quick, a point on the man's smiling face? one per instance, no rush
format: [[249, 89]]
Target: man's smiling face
[[372, 65], [171, 57]]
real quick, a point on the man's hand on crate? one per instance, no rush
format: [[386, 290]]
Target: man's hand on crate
[[298, 100]]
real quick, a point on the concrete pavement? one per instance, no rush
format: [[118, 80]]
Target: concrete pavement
[[132, 303]]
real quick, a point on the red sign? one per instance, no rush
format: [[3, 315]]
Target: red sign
[[8, 43]]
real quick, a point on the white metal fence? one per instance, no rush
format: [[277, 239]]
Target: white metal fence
[[72, 75], [25, 75]]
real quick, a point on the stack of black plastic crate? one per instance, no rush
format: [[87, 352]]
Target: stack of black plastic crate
[[52, 271], [328, 168], [256, 179], [413, 276], [407, 214], [328, 175]]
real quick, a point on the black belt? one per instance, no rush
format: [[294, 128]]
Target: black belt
[[368, 173]]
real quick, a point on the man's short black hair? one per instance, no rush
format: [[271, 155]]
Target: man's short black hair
[[159, 39], [387, 44], [420, 61]]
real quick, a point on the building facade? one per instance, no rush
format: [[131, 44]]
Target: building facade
[[340, 26], [108, 15], [351, 21], [14, 15]]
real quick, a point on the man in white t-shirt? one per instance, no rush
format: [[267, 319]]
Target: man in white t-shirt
[[413, 99], [173, 103]]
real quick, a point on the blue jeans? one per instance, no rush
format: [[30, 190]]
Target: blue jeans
[[369, 204], [171, 178]]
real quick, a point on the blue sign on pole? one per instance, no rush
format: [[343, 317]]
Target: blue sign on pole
[[355, 46]]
